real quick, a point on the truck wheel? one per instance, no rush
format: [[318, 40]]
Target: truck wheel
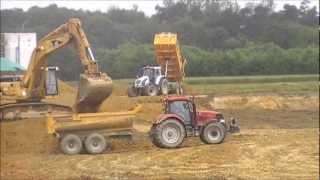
[[168, 134], [71, 144], [132, 91], [164, 87], [95, 143], [213, 133], [151, 90]]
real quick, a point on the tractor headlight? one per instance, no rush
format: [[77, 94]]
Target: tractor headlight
[[222, 121], [144, 82]]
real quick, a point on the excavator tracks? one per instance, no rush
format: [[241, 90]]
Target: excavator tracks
[[16, 111]]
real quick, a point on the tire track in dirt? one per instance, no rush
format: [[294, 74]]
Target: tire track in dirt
[[153, 162]]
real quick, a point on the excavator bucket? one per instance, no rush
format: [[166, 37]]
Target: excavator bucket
[[92, 91]]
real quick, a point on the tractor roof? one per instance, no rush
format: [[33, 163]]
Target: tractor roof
[[152, 67], [177, 98]]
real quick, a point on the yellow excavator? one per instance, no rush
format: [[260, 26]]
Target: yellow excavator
[[39, 80], [85, 126]]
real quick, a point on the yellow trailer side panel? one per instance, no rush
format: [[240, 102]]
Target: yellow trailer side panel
[[167, 53]]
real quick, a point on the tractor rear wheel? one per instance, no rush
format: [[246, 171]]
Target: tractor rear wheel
[[71, 144], [168, 134], [164, 87], [179, 89], [132, 91], [151, 90], [95, 143], [213, 133]]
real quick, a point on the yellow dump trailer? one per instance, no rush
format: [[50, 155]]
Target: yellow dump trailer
[[168, 56], [90, 130]]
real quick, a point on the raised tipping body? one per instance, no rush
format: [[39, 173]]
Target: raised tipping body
[[168, 56]]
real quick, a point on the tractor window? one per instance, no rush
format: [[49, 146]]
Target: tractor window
[[191, 107], [157, 73], [148, 72], [182, 109]]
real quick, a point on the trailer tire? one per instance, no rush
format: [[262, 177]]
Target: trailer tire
[[160, 134], [71, 144], [213, 133], [132, 91], [95, 143]]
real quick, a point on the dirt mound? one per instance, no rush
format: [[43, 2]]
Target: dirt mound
[[265, 102], [26, 136]]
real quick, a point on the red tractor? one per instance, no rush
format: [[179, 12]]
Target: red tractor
[[181, 119]]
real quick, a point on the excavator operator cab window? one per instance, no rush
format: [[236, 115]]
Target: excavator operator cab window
[[51, 85]]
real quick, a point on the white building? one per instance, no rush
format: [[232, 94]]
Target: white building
[[18, 47]]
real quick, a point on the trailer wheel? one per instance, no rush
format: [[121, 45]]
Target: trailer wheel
[[213, 133], [164, 87], [151, 90], [71, 144], [132, 91], [95, 143], [168, 134]]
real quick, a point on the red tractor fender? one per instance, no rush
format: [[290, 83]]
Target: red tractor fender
[[163, 117]]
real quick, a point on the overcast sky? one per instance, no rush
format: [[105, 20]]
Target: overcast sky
[[147, 6]]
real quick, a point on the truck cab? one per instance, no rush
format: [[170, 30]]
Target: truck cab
[[182, 119]]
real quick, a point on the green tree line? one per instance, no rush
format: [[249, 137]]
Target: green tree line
[[253, 59], [217, 37]]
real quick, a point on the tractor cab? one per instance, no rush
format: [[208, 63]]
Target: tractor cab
[[183, 107], [150, 71], [181, 119], [186, 109]]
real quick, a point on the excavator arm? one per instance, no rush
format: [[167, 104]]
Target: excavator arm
[[94, 86]]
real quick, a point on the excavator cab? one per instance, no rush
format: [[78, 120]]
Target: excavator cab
[[51, 84]]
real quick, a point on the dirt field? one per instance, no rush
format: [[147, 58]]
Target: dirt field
[[279, 139]]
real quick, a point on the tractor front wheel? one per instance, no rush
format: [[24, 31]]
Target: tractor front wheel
[[151, 90], [168, 134], [213, 133]]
